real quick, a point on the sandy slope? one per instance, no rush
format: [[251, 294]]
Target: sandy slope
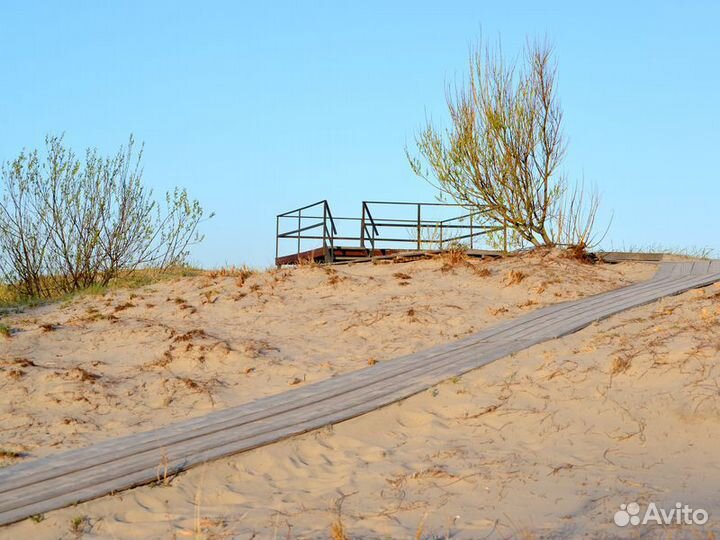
[[547, 443], [550, 440], [132, 360]]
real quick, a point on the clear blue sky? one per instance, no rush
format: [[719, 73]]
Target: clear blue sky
[[261, 107]]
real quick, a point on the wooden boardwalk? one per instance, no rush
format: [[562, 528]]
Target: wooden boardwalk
[[77, 475]]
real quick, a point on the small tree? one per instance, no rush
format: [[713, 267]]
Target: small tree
[[66, 224], [503, 150]]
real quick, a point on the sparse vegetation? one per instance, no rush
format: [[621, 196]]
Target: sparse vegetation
[[514, 277], [67, 224], [78, 524], [620, 364], [164, 478], [691, 252], [452, 259], [5, 331], [124, 306], [337, 530]]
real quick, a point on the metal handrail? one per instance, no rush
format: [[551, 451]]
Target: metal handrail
[[287, 214], [420, 224], [328, 234], [363, 228], [371, 227]]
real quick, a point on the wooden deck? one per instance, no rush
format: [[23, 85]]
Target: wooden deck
[[66, 478], [350, 255]]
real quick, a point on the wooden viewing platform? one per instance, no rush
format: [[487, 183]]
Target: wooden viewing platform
[[78, 475], [313, 234]]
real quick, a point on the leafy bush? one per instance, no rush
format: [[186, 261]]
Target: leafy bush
[[503, 149], [67, 223]]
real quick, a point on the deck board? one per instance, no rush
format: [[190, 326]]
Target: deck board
[[76, 475]]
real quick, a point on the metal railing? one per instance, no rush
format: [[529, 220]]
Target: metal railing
[[325, 222], [376, 233], [438, 232]]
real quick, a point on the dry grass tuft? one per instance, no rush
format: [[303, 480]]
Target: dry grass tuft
[[16, 374], [210, 297], [452, 259], [192, 334], [190, 383], [123, 307], [580, 253], [337, 530], [186, 306], [240, 272], [333, 278], [81, 374], [5, 331], [514, 277], [499, 310], [10, 454], [48, 327], [620, 364], [79, 525], [402, 276], [19, 362], [307, 262]]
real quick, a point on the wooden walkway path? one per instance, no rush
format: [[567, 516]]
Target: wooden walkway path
[[77, 475]]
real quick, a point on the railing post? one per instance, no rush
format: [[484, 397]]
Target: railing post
[[298, 233], [324, 229], [277, 239], [418, 227], [441, 236], [328, 233], [362, 227]]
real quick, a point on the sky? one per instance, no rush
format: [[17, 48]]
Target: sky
[[261, 107]]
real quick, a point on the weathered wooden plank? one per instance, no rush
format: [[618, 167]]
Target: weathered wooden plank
[[555, 328], [620, 256], [537, 324]]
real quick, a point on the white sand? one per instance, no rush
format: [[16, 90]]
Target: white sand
[[546, 443]]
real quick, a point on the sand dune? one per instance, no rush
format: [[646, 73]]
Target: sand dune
[[126, 361], [546, 443]]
